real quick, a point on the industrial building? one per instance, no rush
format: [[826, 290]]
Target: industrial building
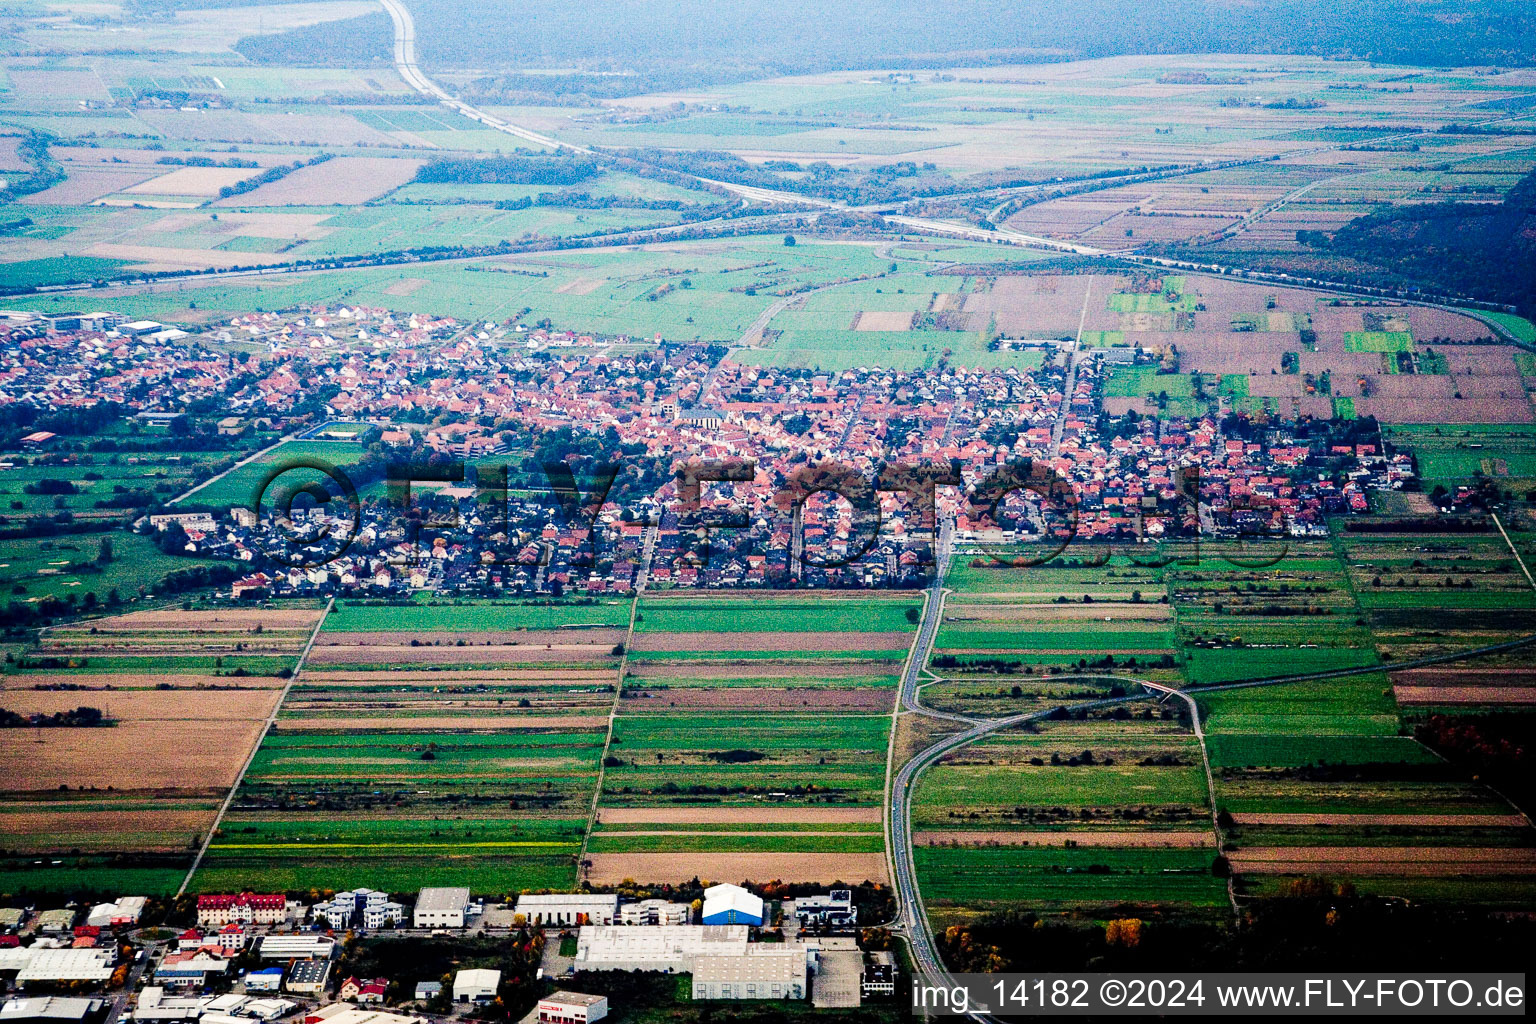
[[475, 985], [296, 947], [51, 966], [56, 920], [651, 912], [731, 904], [669, 948], [879, 973], [52, 1010], [308, 977], [572, 1008], [565, 908], [441, 908], [835, 909], [124, 912], [189, 968], [341, 1013], [267, 979], [767, 972]]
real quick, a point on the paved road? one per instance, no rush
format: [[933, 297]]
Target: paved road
[[912, 916], [405, 63]]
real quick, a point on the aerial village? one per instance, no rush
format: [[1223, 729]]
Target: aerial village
[[367, 389]]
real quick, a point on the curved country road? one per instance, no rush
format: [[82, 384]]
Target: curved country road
[[911, 915]]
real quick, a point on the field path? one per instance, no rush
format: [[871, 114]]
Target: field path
[[229, 797], [641, 578]]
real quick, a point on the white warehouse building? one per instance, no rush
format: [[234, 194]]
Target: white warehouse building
[[569, 908], [669, 948], [766, 972], [441, 908]]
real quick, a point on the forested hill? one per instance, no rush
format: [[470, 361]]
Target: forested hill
[[663, 44], [808, 35], [1485, 250]]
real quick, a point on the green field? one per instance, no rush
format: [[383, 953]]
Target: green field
[[426, 615], [1378, 341]]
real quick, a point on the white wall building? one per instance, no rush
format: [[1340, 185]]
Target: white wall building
[[372, 907], [296, 947], [59, 965], [569, 908], [572, 1008], [779, 974], [441, 908], [475, 985], [671, 948], [655, 912]]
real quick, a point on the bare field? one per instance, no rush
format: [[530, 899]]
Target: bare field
[[493, 654], [807, 641], [444, 723], [196, 755], [822, 868], [861, 698], [153, 831], [1402, 820], [740, 815], [1405, 861], [640, 674], [1106, 840], [479, 638], [227, 620], [344, 181], [123, 683], [1420, 696], [194, 181], [883, 321], [150, 705], [406, 678]]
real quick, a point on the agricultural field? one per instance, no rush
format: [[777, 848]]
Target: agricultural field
[[184, 697], [431, 742], [804, 771], [1099, 811], [1322, 779]]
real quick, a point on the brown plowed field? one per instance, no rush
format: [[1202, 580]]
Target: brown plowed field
[[223, 620], [479, 638], [444, 723], [1057, 651], [754, 669], [821, 868], [1413, 820], [124, 683], [128, 756], [1407, 861], [35, 831], [1096, 612], [1123, 840], [865, 698], [467, 677], [1422, 695], [1465, 677], [150, 705], [498, 654], [740, 815], [818, 641]]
